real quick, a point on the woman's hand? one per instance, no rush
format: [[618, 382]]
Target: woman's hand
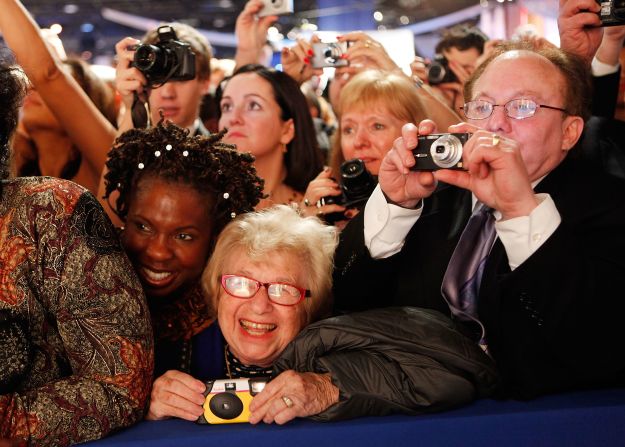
[[176, 394], [251, 33], [292, 395], [321, 186], [367, 52], [128, 79], [296, 60], [419, 68]]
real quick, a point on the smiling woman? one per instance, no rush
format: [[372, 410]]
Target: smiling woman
[[176, 194]]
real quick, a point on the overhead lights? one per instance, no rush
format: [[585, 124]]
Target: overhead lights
[[378, 16], [70, 8]]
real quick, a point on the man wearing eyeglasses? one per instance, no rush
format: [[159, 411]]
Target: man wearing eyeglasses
[[543, 302]]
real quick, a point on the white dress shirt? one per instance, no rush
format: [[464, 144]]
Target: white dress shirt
[[386, 227]]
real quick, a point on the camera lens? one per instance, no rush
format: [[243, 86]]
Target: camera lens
[[352, 168], [436, 73], [146, 56], [226, 405], [446, 151], [333, 52]]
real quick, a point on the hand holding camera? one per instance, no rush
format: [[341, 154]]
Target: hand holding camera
[[439, 72], [612, 12], [329, 54], [494, 171], [168, 60], [276, 7], [401, 184], [228, 400], [356, 185]]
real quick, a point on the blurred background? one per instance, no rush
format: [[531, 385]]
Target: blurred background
[[90, 28]]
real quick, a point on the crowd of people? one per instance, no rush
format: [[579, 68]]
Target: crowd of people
[[144, 254]]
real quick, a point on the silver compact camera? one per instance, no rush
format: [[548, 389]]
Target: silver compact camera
[[612, 12], [439, 151], [276, 8], [328, 54]]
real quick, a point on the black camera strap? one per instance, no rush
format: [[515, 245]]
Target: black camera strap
[[140, 111]]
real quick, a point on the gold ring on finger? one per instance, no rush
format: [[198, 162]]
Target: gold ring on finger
[[367, 43], [287, 401], [496, 139]]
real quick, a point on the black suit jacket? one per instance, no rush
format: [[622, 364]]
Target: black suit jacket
[[605, 93], [552, 324]]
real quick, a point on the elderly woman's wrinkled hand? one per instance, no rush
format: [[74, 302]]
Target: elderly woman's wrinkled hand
[[292, 395], [176, 394]]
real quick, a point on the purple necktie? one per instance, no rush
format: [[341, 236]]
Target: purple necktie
[[461, 284]]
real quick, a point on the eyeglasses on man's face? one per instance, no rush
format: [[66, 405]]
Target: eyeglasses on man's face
[[517, 109], [281, 293]]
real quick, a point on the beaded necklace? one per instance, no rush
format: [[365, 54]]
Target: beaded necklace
[[235, 369]]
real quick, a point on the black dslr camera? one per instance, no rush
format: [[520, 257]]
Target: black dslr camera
[[439, 151], [228, 400], [356, 184], [612, 12], [439, 71], [169, 60]]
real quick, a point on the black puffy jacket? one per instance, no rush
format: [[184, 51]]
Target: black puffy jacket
[[391, 360]]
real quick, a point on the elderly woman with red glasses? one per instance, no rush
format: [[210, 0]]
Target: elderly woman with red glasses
[[269, 279], [269, 276]]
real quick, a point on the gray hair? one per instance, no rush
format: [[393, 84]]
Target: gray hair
[[278, 229]]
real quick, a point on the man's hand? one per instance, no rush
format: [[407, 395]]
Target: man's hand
[[402, 186], [128, 79], [579, 25], [495, 172], [611, 45]]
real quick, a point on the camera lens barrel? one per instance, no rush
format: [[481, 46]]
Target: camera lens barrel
[[148, 58], [446, 151]]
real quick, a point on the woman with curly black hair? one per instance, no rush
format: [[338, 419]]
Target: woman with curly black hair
[[175, 193]]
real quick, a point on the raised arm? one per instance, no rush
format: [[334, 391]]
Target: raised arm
[[88, 129], [251, 33]]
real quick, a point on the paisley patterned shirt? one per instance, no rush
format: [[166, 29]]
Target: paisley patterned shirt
[[66, 279]]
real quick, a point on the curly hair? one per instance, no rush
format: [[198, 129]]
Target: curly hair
[[13, 87], [224, 177]]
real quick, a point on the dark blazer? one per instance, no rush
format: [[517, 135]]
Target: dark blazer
[[605, 93], [555, 322]]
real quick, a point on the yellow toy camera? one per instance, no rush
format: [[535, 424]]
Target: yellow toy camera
[[228, 400]]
